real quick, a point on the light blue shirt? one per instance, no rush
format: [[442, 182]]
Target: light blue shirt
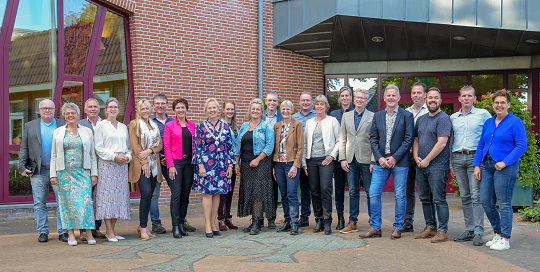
[[300, 117], [468, 129], [47, 131], [263, 138]]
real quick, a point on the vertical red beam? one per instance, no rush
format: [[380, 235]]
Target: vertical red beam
[[534, 81], [93, 53], [130, 108], [60, 51]]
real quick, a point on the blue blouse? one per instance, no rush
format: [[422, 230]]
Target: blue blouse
[[506, 142], [263, 138]]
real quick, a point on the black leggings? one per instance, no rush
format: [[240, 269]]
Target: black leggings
[[146, 187], [180, 189]]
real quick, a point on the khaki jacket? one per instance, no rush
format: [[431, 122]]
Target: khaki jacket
[[354, 143], [294, 145], [57, 151], [136, 164]]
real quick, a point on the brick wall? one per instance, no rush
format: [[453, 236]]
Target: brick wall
[[202, 49]]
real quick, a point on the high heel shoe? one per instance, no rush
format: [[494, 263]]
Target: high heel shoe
[[209, 234], [111, 240], [72, 243], [91, 242], [144, 237], [119, 237], [216, 232]]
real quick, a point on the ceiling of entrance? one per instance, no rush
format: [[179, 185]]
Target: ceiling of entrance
[[352, 39]]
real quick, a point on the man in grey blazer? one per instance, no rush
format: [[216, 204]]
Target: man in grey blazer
[[355, 154], [34, 162], [91, 108]]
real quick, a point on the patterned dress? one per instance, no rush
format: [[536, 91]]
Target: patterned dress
[[74, 187], [112, 190], [214, 148]]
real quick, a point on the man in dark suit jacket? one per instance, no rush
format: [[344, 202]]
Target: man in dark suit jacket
[[392, 135], [34, 162]]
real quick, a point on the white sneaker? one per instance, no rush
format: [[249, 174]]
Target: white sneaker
[[502, 244], [495, 239]]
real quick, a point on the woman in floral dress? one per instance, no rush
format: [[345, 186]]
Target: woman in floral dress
[[213, 156]]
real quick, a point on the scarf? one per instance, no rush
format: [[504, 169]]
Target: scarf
[[149, 139]]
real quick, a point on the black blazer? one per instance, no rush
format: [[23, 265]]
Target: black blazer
[[402, 137], [87, 123]]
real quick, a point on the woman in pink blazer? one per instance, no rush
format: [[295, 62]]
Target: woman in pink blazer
[[178, 147]]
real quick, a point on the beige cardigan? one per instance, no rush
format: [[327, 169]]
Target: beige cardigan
[[57, 151], [136, 164]]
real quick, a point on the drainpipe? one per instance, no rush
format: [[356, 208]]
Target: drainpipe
[[260, 60]]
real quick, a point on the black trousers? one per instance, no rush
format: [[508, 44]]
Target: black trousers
[[320, 182], [411, 197], [275, 187], [180, 189], [146, 187]]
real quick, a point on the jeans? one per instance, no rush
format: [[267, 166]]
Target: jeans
[[225, 201], [340, 177], [469, 189], [147, 187], [288, 187], [432, 191], [305, 197], [154, 205], [356, 170], [40, 191], [180, 190], [498, 186], [378, 181], [320, 182], [411, 197]]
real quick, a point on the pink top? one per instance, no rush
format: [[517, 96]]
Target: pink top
[[172, 140]]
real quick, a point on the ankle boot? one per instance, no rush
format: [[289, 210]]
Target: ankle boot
[[182, 230], [228, 222], [318, 226], [341, 221], [248, 229], [176, 232], [256, 227], [221, 223], [327, 227]]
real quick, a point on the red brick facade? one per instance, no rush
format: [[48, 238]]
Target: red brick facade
[[202, 49]]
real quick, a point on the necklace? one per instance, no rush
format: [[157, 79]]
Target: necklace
[[216, 138]]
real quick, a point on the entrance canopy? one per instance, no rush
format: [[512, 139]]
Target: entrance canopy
[[394, 30]]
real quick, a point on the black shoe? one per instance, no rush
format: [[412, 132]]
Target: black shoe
[[477, 241], [188, 227], [64, 237], [158, 228], [43, 237], [176, 232], [271, 223], [303, 223], [255, 227], [286, 227], [248, 229], [294, 230], [318, 226], [182, 229], [408, 229], [341, 221], [327, 227], [465, 236]]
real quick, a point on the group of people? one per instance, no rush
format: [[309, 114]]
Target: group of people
[[310, 149]]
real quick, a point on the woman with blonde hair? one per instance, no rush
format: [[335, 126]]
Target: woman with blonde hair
[[213, 157], [144, 168]]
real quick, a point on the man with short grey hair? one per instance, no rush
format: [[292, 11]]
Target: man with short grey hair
[[34, 162]]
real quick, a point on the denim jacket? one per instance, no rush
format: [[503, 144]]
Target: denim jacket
[[263, 138]]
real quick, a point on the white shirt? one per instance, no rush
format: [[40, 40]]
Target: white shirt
[[109, 140], [423, 110]]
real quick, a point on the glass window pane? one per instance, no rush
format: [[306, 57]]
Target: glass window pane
[[72, 91], [429, 81], [455, 82], [79, 18], [2, 11], [19, 185], [518, 81], [369, 84], [484, 84], [111, 74], [398, 81], [334, 84]]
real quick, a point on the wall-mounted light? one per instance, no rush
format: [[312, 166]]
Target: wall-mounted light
[[377, 39], [458, 38], [531, 41]]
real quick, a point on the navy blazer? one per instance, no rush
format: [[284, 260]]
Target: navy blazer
[[402, 137]]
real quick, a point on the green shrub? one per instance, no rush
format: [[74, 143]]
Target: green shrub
[[530, 214]]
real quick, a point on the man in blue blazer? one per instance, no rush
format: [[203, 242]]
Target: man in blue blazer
[[392, 135]]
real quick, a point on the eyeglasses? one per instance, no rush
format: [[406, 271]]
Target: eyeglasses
[[47, 109], [363, 98]]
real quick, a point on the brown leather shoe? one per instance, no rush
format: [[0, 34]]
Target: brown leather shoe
[[428, 232], [440, 237], [371, 233], [351, 227], [98, 234], [83, 236], [396, 234]]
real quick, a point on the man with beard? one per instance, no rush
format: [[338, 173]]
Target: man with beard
[[432, 163]]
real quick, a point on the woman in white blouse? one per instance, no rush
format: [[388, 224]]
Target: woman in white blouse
[[114, 153]]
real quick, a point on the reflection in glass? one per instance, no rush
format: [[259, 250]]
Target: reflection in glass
[[429, 81], [79, 18], [111, 74], [72, 91], [334, 84], [19, 185], [484, 84], [455, 82], [518, 81], [2, 11], [398, 81], [369, 84]]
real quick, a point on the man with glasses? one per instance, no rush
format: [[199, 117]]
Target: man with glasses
[[34, 162], [306, 112]]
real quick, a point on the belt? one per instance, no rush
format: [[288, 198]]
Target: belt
[[488, 157], [388, 155], [465, 152]]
